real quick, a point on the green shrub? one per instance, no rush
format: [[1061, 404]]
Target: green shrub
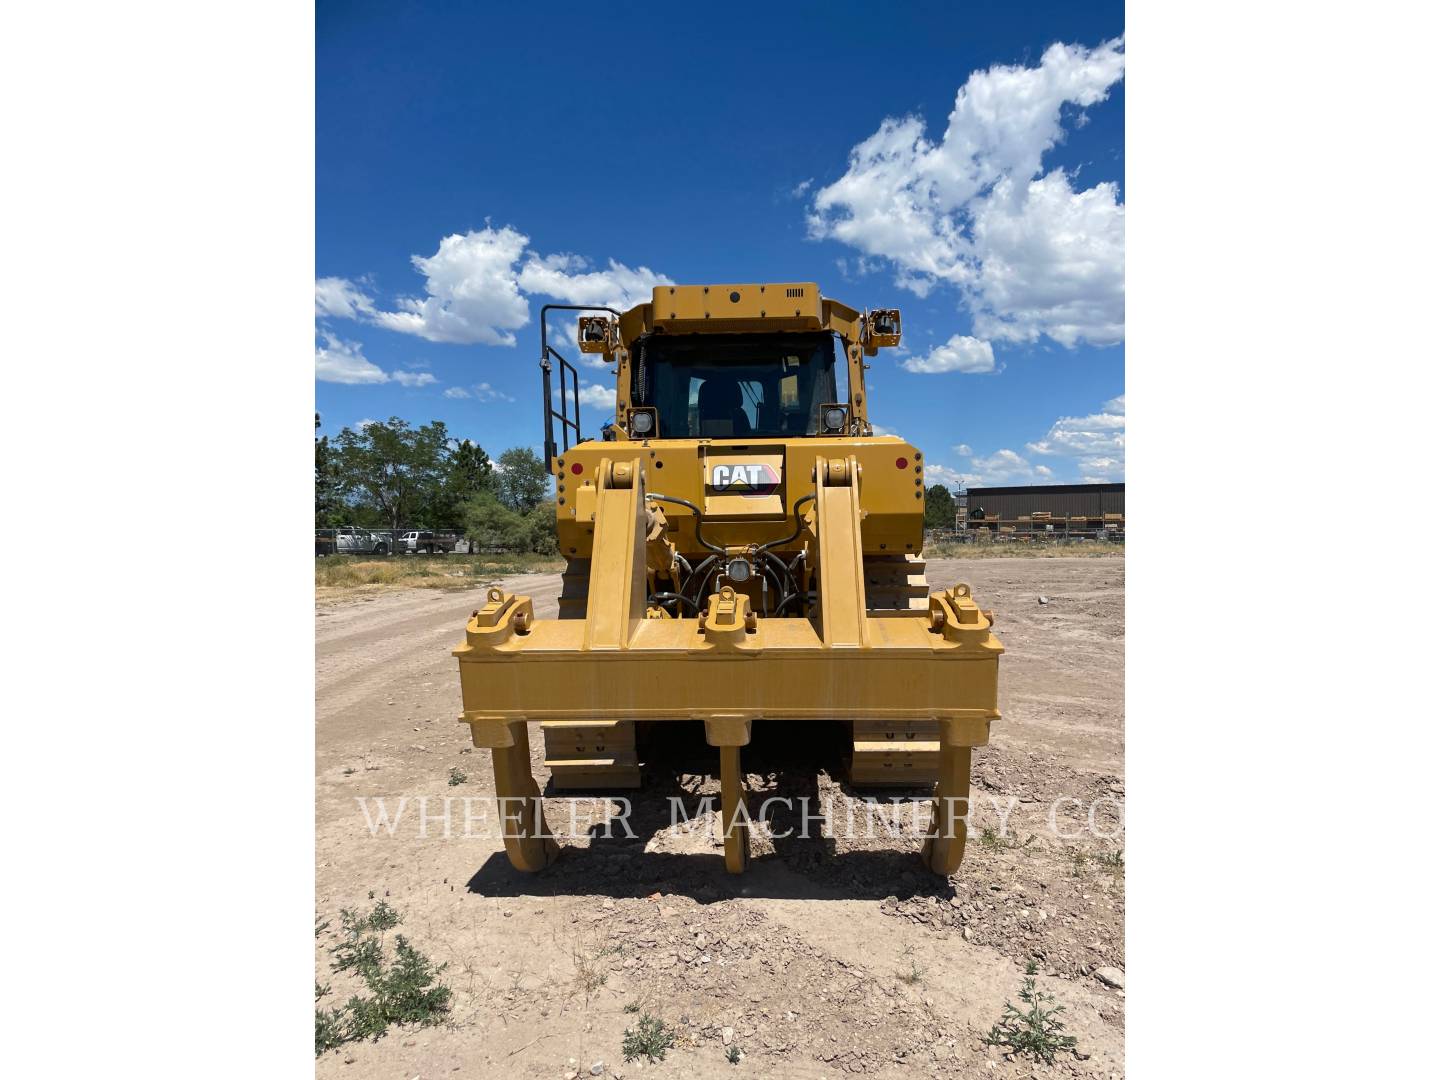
[[650, 1038], [1037, 1031], [403, 990]]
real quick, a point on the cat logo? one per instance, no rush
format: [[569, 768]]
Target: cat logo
[[754, 480]]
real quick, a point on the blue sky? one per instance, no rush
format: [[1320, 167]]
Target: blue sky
[[964, 163]]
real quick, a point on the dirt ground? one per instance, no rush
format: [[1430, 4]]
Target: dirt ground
[[830, 957]]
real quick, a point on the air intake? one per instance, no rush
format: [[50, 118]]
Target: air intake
[[794, 293]]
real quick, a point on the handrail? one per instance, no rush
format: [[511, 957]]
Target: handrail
[[564, 415]]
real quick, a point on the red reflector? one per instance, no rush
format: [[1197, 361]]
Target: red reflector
[[902, 463], [577, 468]]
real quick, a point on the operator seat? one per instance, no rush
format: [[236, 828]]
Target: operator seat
[[721, 416]]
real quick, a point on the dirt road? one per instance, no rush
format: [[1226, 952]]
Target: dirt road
[[830, 957]]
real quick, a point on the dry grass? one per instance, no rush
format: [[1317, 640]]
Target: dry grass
[[1008, 549], [337, 574], [344, 572]]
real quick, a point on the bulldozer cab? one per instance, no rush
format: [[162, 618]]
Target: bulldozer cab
[[735, 386], [722, 362]]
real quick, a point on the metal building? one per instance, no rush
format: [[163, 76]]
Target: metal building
[[1044, 507]]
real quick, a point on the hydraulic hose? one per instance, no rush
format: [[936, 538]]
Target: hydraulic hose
[[676, 596], [699, 518], [798, 524]]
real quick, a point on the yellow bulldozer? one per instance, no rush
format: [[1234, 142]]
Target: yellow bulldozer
[[741, 547]]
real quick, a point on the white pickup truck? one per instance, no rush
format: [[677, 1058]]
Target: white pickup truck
[[430, 543], [350, 540]]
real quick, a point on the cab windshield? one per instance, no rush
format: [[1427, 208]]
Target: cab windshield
[[735, 386]]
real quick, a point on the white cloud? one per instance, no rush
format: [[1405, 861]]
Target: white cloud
[[484, 391], [597, 397], [943, 474], [1096, 442], [960, 353], [569, 279], [478, 289], [1004, 467], [471, 292], [859, 268], [1101, 470], [799, 190], [1029, 254], [341, 298], [963, 449], [340, 361], [1055, 266]]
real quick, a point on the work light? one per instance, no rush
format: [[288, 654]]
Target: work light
[[738, 570], [642, 423]]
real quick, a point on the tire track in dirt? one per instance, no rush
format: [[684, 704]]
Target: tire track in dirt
[[364, 650]]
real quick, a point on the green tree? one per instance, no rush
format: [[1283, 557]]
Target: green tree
[[329, 502], [522, 479], [493, 526], [540, 529], [939, 507], [468, 472], [393, 468]]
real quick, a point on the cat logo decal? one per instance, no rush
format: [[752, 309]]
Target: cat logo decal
[[755, 480]]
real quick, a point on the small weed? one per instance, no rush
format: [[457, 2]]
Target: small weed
[[1079, 862], [383, 917], [733, 1054], [330, 1028], [632, 1006], [457, 777], [408, 992], [1113, 861], [991, 840], [589, 976], [649, 1038], [1032, 968], [1036, 1031], [915, 974], [362, 955]]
